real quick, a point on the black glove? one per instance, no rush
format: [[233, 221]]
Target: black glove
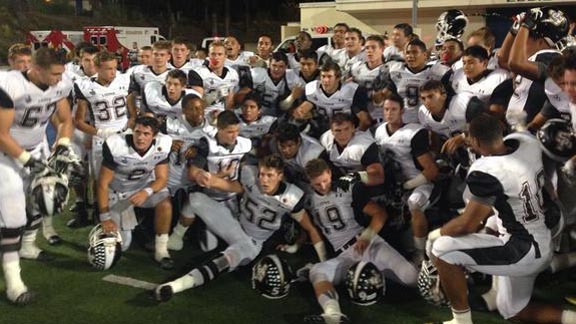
[[346, 182], [532, 18], [36, 166], [63, 150]]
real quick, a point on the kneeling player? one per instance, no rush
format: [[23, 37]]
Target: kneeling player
[[134, 172]]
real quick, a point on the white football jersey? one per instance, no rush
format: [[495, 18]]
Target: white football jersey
[[133, 171], [558, 98], [106, 104], [513, 183], [220, 157], [142, 74], [345, 61], [309, 149], [243, 59], [407, 85], [180, 129], [400, 143], [334, 215], [270, 90], [216, 88], [256, 129], [156, 100], [189, 65], [371, 79], [33, 106], [349, 160], [393, 53], [261, 214], [529, 95], [454, 119], [340, 101], [482, 88]]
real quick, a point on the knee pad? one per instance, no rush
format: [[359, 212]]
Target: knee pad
[[317, 274], [417, 201], [242, 253], [11, 239]]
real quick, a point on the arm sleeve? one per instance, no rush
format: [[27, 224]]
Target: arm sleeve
[[360, 101], [194, 79], [107, 158], [484, 187], [371, 155], [420, 143]]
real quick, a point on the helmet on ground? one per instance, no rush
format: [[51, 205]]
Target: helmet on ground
[[429, 285], [105, 249], [364, 283], [271, 277]]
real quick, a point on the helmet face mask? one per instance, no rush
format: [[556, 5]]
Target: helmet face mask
[[271, 277], [557, 139], [552, 25], [48, 193], [364, 283], [450, 25], [105, 249], [429, 285]]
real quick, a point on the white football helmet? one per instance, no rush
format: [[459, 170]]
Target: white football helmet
[[48, 192], [429, 285], [105, 248]]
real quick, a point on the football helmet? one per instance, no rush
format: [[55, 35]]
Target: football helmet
[[552, 25], [429, 285], [450, 24], [105, 249], [48, 192], [271, 277], [364, 283], [557, 139], [68, 164]]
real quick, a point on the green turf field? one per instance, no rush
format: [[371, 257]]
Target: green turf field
[[70, 291]]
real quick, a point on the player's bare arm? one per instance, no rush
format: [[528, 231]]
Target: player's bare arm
[[104, 179], [65, 122], [160, 182], [469, 221], [80, 118], [378, 217]]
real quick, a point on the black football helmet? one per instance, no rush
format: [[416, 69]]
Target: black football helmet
[[429, 285], [364, 283], [557, 139], [552, 25], [48, 192], [271, 277], [450, 24]]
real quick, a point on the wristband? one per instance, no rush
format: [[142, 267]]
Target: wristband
[[149, 191], [64, 141], [320, 250], [24, 157], [368, 234], [363, 176], [432, 236]]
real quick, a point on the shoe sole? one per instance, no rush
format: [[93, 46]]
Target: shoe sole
[[164, 294]]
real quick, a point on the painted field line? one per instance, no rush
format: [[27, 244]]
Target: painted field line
[[127, 281]]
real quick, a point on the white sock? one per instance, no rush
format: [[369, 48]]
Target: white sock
[[161, 247], [461, 317], [329, 302], [14, 284], [29, 250], [48, 227], [183, 283], [179, 230], [568, 317]]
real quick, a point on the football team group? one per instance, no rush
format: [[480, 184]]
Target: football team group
[[467, 149]]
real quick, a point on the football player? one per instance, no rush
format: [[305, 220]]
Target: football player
[[406, 78], [527, 50], [354, 154], [522, 248], [102, 100], [164, 100], [308, 66], [485, 37], [303, 42], [254, 126], [265, 198], [28, 100], [235, 56], [180, 56], [330, 96], [337, 44], [216, 82], [264, 50], [401, 35], [410, 145], [142, 74], [220, 155], [19, 57], [451, 53], [334, 211], [134, 173], [475, 77]]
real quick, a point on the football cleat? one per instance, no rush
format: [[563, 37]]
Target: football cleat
[[24, 299], [163, 293], [326, 319]]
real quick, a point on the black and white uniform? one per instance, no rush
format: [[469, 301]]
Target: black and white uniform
[[345, 61], [454, 119], [33, 108], [106, 109], [309, 149], [180, 130], [529, 95], [255, 131], [243, 59], [407, 84], [75, 73], [216, 88], [512, 183], [482, 88], [334, 214], [189, 65], [157, 102], [407, 144], [558, 103], [259, 217], [393, 53], [360, 152], [371, 80], [132, 173], [141, 75], [271, 90]]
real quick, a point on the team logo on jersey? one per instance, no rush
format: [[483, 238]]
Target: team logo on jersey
[[124, 160], [28, 99], [92, 92]]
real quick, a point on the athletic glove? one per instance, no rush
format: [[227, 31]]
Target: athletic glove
[[36, 166], [532, 18], [517, 23], [346, 182]]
